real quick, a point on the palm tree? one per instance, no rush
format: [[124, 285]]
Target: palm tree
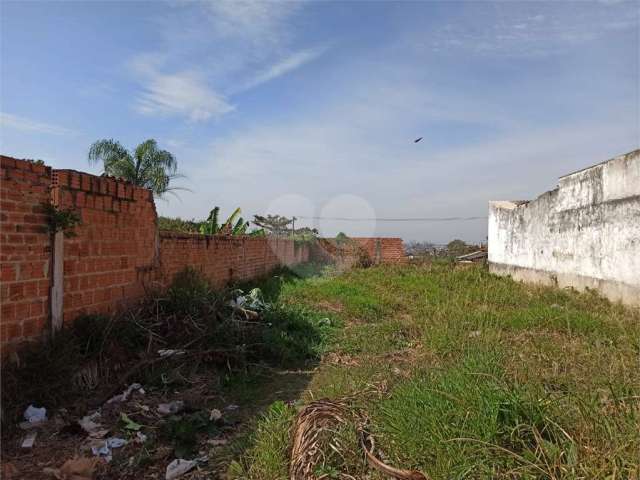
[[147, 167]]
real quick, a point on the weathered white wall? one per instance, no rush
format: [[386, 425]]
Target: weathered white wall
[[585, 233]]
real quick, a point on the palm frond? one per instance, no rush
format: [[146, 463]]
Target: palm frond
[[148, 167]]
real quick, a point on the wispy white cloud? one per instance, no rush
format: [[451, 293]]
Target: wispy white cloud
[[183, 93], [540, 30], [220, 49], [284, 66], [261, 22], [16, 122]]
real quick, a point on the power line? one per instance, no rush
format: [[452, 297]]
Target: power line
[[415, 219]]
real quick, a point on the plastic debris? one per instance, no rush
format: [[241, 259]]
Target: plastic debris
[[90, 425], [140, 437], [475, 333], [171, 408], [251, 301], [76, 469], [179, 467], [170, 353], [129, 424], [103, 448], [215, 415], [232, 407], [29, 440], [124, 396], [35, 415], [217, 442]]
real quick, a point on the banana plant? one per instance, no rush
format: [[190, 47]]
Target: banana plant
[[234, 225]]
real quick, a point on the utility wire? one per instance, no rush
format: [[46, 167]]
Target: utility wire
[[415, 219]]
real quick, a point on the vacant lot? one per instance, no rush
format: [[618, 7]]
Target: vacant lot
[[458, 373], [462, 375]]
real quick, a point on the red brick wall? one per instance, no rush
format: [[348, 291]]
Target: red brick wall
[[383, 250], [116, 251], [225, 258], [114, 248], [378, 250], [25, 250]]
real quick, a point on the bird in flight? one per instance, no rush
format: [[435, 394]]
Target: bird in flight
[[417, 140]]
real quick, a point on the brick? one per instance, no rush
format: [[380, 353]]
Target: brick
[[8, 273]]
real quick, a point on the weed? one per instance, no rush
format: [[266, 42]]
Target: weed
[[475, 375]]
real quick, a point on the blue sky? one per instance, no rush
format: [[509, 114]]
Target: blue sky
[[311, 108]]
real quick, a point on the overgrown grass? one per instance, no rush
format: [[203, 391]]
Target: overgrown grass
[[473, 375], [88, 357]]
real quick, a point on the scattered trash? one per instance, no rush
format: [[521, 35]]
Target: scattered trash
[[170, 353], [103, 448], [124, 396], [217, 442], [89, 425], [215, 415], [232, 407], [29, 440], [75, 469], [253, 300], [179, 467], [324, 322], [128, 423], [35, 415], [171, 408], [140, 437], [475, 333]]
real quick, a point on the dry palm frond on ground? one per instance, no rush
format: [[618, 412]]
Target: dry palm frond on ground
[[313, 433]]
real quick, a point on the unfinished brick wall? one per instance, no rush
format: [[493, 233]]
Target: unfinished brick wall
[[116, 253], [383, 250], [25, 250], [225, 259], [113, 251], [372, 249]]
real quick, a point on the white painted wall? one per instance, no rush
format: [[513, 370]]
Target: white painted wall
[[584, 233]]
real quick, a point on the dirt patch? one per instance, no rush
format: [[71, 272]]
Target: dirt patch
[[335, 307]]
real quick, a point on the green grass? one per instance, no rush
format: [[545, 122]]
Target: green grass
[[464, 374]]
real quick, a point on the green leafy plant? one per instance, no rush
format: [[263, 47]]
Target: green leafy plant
[[179, 225], [234, 225], [61, 219]]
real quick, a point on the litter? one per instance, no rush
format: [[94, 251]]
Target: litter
[[475, 333], [89, 425], [140, 437], [103, 448], [217, 442], [170, 353], [215, 415], [124, 396], [29, 440], [179, 467], [129, 424], [171, 408], [35, 415], [76, 469], [231, 407]]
